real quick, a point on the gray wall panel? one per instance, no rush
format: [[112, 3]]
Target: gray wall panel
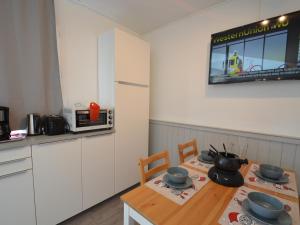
[[281, 151]]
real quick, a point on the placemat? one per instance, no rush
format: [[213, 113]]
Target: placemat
[[234, 215], [195, 163], [287, 189], [176, 195]]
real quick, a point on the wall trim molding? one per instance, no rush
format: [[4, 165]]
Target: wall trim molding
[[246, 134], [262, 148]]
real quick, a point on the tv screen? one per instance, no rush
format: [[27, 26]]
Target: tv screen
[[265, 50]]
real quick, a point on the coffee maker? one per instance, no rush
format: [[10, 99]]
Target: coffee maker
[[4, 123]]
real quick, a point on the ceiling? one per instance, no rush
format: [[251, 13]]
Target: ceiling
[[143, 16]]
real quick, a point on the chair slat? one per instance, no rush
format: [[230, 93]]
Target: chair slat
[[156, 170], [184, 146], [146, 161]]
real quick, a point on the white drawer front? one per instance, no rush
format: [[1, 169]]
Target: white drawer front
[[17, 199], [15, 166], [15, 153]]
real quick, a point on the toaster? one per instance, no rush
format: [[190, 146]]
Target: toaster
[[54, 125]]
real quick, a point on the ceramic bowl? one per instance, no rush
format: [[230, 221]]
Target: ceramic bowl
[[269, 171], [265, 205], [177, 175], [206, 157]]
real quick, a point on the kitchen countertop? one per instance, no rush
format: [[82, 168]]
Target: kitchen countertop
[[42, 139]]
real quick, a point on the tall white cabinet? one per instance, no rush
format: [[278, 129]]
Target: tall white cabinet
[[131, 134], [124, 62]]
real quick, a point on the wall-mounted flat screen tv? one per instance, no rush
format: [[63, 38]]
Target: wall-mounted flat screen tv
[[265, 50]]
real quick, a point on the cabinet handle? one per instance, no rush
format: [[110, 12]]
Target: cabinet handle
[[96, 135], [132, 84], [60, 141], [13, 161], [14, 173]]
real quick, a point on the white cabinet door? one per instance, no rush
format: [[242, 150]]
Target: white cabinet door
[[131, 123], [57, 181], [132, 58], [17, 199], [97, 169]]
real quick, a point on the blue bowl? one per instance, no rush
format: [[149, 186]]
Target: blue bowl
[[206, 157], [270, 171], [177, 175], [265, 205]]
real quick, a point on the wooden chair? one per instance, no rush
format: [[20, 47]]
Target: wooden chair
[[181, 147], [161, 167]]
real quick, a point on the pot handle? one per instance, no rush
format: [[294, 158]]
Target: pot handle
[[211, 153], [244, 161]]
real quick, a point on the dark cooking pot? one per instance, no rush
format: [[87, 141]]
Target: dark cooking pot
[[228, 161]]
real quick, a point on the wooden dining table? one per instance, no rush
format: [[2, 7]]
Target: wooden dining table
[[148, 207]]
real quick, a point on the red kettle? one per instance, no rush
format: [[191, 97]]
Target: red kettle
[[94, 111]]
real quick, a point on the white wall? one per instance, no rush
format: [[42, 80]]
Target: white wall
[[179, 75], [78, 30]]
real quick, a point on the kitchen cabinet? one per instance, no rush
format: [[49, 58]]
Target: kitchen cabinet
[[132, 57], [97, 169], [124, 73], [16, 187], [131, 125], [57, 180]]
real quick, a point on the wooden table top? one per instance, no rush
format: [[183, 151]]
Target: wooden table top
[[205, 207]]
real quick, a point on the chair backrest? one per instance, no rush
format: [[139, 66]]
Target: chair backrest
[[159, 168], [182, 147]]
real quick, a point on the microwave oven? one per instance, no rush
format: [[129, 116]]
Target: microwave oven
[[79, 120]]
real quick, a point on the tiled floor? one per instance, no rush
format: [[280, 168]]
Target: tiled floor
[[109, 212]]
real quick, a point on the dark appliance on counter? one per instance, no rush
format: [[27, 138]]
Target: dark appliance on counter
[[34, 124], [4, 123], [55, 125], [226, 168]]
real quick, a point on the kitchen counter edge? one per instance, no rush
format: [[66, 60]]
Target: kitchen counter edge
[[43, 139]]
